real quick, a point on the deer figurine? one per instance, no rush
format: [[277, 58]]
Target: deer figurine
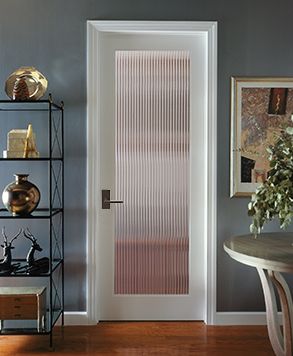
[[6, 266], [40, 265]]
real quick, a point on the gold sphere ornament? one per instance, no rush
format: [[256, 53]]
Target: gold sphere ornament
[[21, 197], [26, 83]]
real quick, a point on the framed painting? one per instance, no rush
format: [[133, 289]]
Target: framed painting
[[260, 109]]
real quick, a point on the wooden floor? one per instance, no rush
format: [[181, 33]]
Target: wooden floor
[[144, 338]]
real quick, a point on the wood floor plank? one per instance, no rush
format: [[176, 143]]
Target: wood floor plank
[[144, 338]]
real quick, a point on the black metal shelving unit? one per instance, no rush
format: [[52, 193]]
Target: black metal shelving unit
[[52, 215]]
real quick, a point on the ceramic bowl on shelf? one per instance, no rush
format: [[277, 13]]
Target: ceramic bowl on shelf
[[26, 83]]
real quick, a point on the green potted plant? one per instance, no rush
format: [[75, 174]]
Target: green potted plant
[[274, 197]]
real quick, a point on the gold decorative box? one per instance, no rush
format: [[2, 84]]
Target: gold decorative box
[[23, 303]]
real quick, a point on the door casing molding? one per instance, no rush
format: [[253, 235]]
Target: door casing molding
[[94, 30]]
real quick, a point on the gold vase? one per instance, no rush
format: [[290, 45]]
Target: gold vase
[[21, 197]]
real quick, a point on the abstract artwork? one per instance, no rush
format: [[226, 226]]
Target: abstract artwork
[[260, 109]]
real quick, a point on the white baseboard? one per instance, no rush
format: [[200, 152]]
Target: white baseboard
[[76, 318], [242, 318], [222, 318]]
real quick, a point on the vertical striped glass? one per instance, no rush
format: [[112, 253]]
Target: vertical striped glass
[[152, 115]]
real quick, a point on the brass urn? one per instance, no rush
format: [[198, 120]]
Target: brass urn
[[21, 197]]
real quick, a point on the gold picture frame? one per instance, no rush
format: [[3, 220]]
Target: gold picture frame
[[260, 108]]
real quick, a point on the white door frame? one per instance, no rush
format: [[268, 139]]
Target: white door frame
[[94, 30]]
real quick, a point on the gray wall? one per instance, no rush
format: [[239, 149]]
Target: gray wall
[[255, 39]]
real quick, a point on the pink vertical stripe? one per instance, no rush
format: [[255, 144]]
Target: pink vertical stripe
[[152, 172]]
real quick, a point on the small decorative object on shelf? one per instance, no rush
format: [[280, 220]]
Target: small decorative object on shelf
[[20, 90], [40, 265], [21, 197], [6, 266], [21, 143], [26, 83], [25, 303]]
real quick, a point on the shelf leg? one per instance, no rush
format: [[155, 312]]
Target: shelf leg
[[51, 340]]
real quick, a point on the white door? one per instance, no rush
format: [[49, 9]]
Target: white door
[[152, 109]]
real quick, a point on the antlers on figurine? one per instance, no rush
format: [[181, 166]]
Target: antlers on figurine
[[6, 266], [33, 266]]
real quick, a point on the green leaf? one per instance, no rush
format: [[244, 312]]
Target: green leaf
[[274, 198], [254, 230]]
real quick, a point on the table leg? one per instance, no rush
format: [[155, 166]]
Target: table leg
[[281, 342]]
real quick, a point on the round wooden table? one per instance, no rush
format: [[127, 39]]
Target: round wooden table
[[271, 254]]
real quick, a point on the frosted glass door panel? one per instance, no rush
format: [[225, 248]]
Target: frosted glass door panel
[[152, 118]]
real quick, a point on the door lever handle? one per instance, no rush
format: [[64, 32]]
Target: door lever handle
[[113, 201], [106, 201]]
